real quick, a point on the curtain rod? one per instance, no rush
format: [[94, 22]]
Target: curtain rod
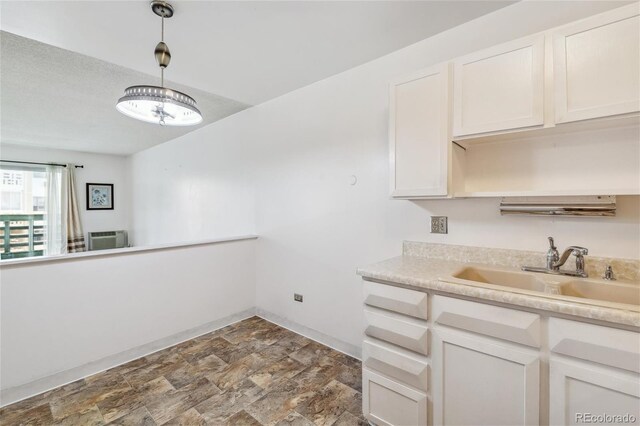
[[41, 164]]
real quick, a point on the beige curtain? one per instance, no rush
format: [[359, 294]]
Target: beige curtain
[[75, 236], [56, 235]]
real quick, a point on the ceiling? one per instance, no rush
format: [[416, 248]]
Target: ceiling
[[55, 98], [250, 51], [228, 55]]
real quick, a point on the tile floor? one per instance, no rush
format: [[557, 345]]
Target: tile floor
[[250, 373]]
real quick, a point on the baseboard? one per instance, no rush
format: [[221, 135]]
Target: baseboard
[[18, 393], [312, 334]]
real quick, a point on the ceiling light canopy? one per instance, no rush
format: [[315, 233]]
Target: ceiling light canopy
[[159, 104]]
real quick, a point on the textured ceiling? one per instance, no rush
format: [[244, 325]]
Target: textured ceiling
[[229, 53], [55, 98], [251, 51]]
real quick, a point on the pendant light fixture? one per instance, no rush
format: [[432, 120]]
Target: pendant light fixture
[[159, 104]]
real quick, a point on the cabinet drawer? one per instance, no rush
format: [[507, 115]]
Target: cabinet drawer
[[508, 324], [400, 330], [398, 363], [386, 402], [604, 345], [396, 299]]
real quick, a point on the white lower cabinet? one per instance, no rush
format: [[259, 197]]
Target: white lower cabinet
[[398, 329], [583, 393], [474, 363], [478, 381], [388, 402]]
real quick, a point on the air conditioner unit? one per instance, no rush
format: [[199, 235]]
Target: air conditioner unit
[[107, 240]]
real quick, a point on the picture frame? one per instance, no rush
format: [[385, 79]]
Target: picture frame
[[99, 196]]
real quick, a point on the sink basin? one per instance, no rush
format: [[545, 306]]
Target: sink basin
[[608, 292], [521, 280], [592, 290]]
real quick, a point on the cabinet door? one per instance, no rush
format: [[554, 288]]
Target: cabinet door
[[499, 88], [578, 390], [419, 134], [477, 381], [387, 402], [597, 66]]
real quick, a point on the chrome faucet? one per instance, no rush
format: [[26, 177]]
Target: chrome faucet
[[552, 254], [555, 261]]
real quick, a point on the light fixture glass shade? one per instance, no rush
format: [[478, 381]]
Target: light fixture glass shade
[[159, 105]]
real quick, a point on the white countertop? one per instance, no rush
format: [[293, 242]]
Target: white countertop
[[436, 274], [119, 252]]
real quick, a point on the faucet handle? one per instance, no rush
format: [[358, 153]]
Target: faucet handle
[[578, 251], [608, 274], [552, 245]]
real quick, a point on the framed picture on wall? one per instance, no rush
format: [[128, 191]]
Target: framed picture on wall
[[99, 196]]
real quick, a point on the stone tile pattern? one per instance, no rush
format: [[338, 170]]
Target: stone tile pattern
[[252, 372], [624, 269]]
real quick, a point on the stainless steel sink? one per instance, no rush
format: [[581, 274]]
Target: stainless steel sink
[[605, 291], [521, 280]]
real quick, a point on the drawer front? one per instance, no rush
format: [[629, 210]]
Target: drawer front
[[502, 323], [400, 330], [397, 363], [604, 345], [396, 299], [389, 403]]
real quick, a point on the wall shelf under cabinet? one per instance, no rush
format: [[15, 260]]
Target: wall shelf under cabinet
[[573, 129], [533, 193], [597, 161]]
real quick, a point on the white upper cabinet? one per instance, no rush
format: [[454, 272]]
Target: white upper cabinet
[[597, 66], [419, 134], [499, 88]]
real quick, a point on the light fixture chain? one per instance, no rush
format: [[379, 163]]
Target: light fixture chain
[[162, 40], [160, 105]]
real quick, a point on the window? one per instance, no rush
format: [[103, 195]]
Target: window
[[11, 201], [12, 178], [23, 211]]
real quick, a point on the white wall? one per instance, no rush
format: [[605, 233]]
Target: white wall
[[60, 315], [299, 152], [98, 168], [191, 188]]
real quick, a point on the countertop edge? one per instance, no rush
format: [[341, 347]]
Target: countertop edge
[[120, 252], [436, 283]]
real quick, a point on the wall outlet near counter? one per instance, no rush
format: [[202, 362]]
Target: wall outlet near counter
[[297, 297], [439, 225]]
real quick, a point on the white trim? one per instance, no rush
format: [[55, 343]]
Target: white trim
[[36, 387], [325, 339], [123, 251]]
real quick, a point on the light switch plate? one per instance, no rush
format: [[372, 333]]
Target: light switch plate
[[439, 225]]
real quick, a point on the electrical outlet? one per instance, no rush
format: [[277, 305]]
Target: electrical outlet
[[439, 225], [297, 297]]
